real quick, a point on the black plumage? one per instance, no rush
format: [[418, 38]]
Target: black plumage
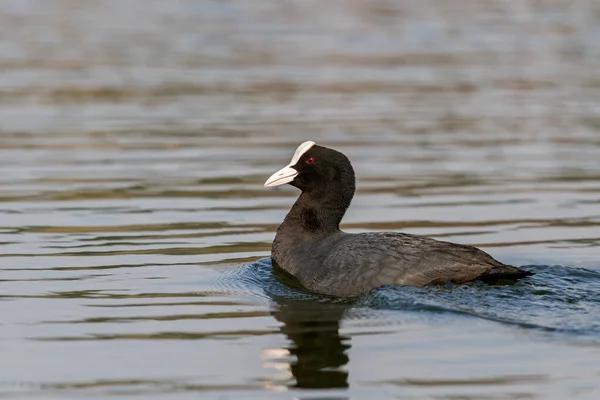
[[310, 245]]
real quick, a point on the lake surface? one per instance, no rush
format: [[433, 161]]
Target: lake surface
[[135, 230]]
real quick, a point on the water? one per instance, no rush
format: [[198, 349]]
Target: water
[[135, 231]]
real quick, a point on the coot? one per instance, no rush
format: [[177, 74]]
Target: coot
[[310, 245]]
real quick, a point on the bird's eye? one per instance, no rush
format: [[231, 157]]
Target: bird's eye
[[310, 160]]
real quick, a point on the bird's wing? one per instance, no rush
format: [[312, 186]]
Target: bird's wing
[[365, 261]]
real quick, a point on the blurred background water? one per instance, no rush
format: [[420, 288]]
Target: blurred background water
[[135, 137]]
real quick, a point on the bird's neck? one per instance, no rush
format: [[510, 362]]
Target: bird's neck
[[319, 212]]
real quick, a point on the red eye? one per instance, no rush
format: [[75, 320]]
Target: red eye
[[310, 160]]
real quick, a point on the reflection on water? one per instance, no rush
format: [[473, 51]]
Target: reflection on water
[[135, 230], [316, 343]]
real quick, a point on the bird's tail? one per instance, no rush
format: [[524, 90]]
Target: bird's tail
[[504, 274]]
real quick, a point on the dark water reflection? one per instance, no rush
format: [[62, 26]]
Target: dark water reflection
[[135, 230], [316, 343]]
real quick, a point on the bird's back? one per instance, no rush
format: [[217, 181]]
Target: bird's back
[[355, 263]]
